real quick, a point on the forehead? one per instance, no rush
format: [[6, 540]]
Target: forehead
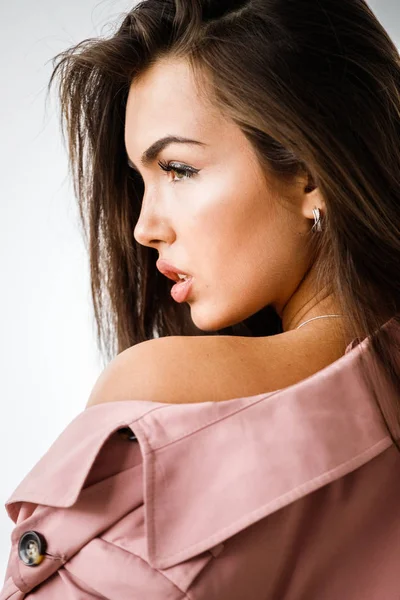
[[165, 99]]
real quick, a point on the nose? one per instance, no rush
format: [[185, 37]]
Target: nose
[[152, 228]]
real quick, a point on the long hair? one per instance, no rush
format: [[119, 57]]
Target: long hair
[[314, 86]]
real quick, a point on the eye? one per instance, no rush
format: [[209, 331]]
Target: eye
[[185, 171]]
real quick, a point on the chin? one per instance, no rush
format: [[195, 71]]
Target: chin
[[210, 323]]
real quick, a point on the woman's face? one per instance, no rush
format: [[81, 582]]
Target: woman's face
[[223, 224]]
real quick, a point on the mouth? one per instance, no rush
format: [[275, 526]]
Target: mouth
[[177, 277], [182, 277]]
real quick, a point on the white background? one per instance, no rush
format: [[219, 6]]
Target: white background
[[49, 361]]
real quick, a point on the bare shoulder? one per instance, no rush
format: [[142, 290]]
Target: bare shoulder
[[180, 369], [186, 369]]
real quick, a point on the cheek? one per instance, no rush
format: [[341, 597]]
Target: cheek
[[239, 237], [226, 212], [239, 232]]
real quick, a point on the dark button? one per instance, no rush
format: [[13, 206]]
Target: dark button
[[126, 433], [32, 548]]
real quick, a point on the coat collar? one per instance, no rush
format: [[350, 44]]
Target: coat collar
[[212, 469]]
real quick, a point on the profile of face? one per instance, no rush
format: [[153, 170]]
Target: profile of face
[[219, 221]]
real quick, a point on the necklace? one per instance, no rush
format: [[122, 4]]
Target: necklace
[[320, 317]]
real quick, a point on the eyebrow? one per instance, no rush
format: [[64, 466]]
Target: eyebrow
[[154, 150]]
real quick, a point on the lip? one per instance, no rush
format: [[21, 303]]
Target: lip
[[169, 270], [181, 291]]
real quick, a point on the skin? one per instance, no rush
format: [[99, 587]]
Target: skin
[[226, 227]]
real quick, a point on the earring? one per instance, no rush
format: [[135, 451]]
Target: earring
[[317, 220]]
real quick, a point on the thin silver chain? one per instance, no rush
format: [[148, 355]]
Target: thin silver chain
[[320, 317], [317, 226]]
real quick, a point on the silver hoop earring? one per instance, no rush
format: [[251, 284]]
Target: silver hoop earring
[[317, 220]]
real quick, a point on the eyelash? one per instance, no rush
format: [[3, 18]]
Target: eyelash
[[190, 172]]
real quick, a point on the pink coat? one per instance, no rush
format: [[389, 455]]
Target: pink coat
[[289, 495]]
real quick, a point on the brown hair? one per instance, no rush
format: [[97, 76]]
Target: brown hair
[[314, 85]]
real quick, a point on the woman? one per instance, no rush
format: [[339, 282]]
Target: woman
[[251, 150]]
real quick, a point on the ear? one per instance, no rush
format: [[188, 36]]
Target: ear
[[311, 198]]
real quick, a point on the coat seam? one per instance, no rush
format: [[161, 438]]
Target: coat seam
[[184, 597], [291, 496], [204, 425], [85, 583]]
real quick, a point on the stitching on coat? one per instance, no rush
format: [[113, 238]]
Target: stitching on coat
[[119, 549], [299, 492], [211, 421]]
